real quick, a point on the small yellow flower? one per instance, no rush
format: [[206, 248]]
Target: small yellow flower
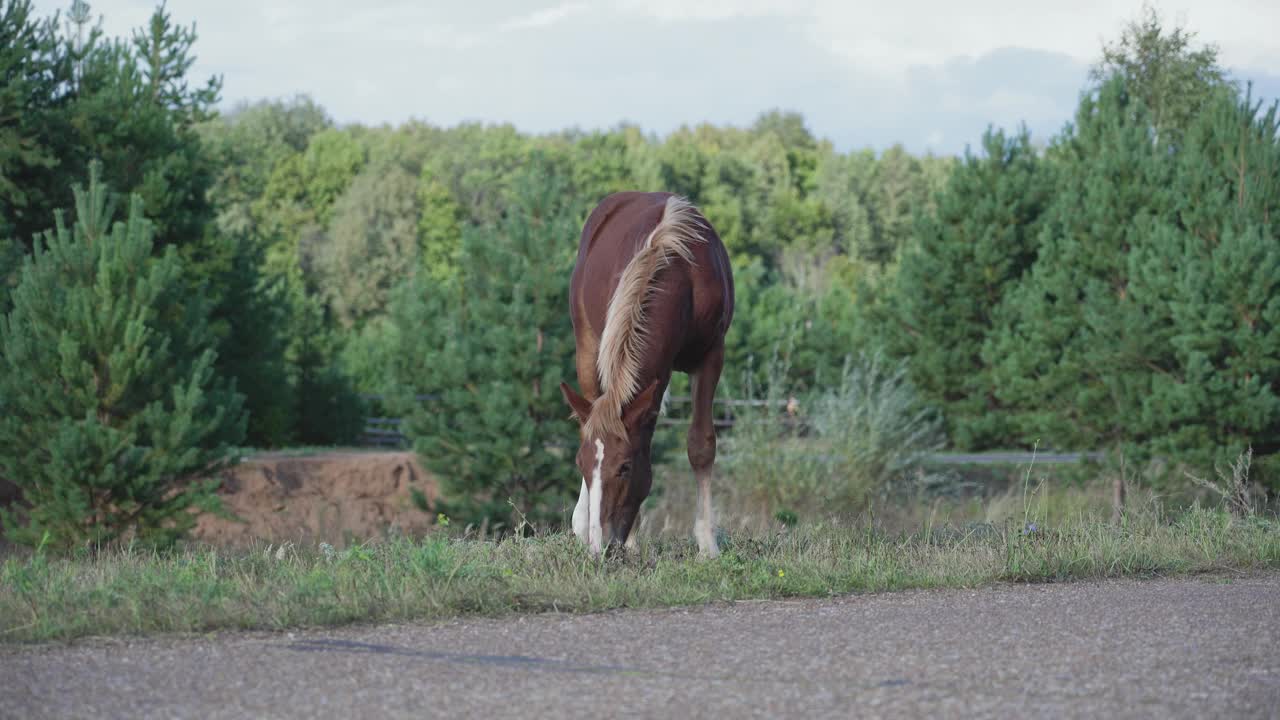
[[781, 574]]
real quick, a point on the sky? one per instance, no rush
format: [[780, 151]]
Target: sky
[[929, 74]]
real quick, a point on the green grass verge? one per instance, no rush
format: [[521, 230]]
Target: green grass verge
[[128, 591]]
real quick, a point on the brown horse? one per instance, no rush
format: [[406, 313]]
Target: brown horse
[[651, 292]]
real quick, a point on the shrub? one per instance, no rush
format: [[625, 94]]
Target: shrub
[[840, 446]]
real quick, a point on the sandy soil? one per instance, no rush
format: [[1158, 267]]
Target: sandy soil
[[330, 497]]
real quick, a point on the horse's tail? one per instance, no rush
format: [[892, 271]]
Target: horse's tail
[[622, 344]]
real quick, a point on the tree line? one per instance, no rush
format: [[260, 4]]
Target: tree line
[[1111, 288]]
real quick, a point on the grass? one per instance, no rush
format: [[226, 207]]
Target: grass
[[848, 506], [130, 591]]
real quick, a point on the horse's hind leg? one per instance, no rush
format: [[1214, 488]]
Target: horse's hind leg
[[702, 445]]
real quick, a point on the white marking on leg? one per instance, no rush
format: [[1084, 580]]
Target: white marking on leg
[[703, 526], [580, 513], [597, 493]]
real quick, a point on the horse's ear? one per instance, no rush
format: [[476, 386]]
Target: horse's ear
[[643, 405], [581, 408]]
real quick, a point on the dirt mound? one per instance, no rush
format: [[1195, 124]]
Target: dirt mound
[[331, 497]]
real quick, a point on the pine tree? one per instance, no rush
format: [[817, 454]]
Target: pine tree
[[114, 420], [36, 70], [67, 100], [10, 262], [329, 410], [1149, 323], [295, 203], [246, 315], [133, 111], [252, 306], [493, 343], [165, 54], [1205, 287], [966, 256], [1110, 182]]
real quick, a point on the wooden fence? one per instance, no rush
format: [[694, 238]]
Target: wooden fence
[[385, 432]]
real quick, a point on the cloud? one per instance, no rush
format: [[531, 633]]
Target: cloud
[[544, 17], [713, 10], [659, 74], [928, 74]]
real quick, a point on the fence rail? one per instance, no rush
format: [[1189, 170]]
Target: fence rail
[[385, 432]]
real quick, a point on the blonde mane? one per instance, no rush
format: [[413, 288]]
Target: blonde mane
[[622, 344]]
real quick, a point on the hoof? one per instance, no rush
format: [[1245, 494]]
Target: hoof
[[707, 546]]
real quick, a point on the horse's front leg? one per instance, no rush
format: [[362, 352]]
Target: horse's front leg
[[702, 445]]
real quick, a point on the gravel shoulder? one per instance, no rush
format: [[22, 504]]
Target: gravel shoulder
[[1185, 647]]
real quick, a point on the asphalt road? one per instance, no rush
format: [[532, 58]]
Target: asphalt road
[[1195, 648]]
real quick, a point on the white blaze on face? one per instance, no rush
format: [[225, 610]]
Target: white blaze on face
[[595, 533], [580, 513]]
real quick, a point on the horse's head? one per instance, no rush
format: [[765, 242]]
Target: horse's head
[[614, 461]]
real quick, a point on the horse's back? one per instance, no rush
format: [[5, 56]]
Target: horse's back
[[619, 223], [694, 300]]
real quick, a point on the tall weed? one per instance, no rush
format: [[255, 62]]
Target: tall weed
[[831, 451]]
